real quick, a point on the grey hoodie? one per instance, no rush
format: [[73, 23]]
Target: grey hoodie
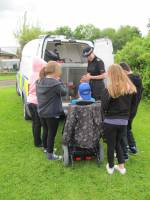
[[49, 92]]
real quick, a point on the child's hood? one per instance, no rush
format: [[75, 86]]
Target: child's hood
[[45, 84], [37, 64]]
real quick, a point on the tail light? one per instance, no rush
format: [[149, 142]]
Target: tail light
[[88, 158], [77, 158]]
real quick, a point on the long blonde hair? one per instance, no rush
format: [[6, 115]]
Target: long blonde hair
[[118, 82], [52, 68]]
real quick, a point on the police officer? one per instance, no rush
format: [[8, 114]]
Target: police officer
[[95, 73]]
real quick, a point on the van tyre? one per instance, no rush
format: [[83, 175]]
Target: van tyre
[[17, 89], [26, 115]]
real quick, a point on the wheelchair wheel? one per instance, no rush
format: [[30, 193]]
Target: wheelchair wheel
[[66, 157]]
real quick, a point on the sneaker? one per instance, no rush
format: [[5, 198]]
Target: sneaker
[[45, 150], [121, 170], [109, 170], [133, 150], [52, 156]]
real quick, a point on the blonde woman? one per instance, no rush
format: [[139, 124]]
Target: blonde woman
[[116, 103], [50, 89]]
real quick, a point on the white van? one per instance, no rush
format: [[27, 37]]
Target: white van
[[69, 53]]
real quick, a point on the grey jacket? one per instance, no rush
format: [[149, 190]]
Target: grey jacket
[[83, 125], [49, 92]]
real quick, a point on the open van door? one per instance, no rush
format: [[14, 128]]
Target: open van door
[[103, 49]]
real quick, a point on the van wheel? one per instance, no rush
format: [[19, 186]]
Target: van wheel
[[66, 158], [17, 90], [25, 113]]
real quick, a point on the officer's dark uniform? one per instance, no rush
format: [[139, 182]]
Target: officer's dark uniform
[[95, 68]]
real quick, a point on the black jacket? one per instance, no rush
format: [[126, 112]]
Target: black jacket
[[116, 108], [136, 80], [49, 92], [96, 67]]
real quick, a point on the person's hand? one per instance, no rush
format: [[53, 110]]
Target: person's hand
[[88, 77], [105, 75], [83, 79]]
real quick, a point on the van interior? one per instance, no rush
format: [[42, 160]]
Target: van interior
[[65, 52], [74, 65]]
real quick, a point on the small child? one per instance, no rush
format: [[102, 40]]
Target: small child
[[84, 95], [50, 89], [37, 65]]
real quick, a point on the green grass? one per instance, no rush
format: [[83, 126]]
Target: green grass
[[25, 173], [7, 76]]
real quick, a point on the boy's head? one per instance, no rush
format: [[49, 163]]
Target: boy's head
[[85, 91], [125, 66]]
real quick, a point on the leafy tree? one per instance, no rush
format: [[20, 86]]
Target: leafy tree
[[108, 32], [125, 34], [137, 54], [86, 32], [26, 32], [64, 30]]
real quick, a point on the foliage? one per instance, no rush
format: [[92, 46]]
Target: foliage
[[86, 32], [121, 36], [63, 30], [125, 34], [26, 32], [137, 54]]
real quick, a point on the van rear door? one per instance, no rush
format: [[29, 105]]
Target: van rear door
[[103, 49]]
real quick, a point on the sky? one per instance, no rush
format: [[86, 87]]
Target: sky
[[50, 14]]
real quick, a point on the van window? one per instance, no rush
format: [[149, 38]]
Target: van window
[[67, 52]]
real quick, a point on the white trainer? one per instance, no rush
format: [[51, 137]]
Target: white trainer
[[109, 170], [121, 170]]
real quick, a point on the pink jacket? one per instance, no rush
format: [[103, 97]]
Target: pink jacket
[[37, 65]]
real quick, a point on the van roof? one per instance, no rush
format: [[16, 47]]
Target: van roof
[[62, 38]]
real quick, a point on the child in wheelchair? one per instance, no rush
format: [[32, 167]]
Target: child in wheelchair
[[83, 129]]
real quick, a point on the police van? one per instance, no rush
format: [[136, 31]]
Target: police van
[[66, 51]]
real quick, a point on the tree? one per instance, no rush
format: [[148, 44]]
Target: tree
[[109, 33], [86, 32], [125, 34], [26, 32], [64, 30], [137, 54]]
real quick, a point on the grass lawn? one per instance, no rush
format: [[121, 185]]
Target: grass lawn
[[25, 173], [7, 77]]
